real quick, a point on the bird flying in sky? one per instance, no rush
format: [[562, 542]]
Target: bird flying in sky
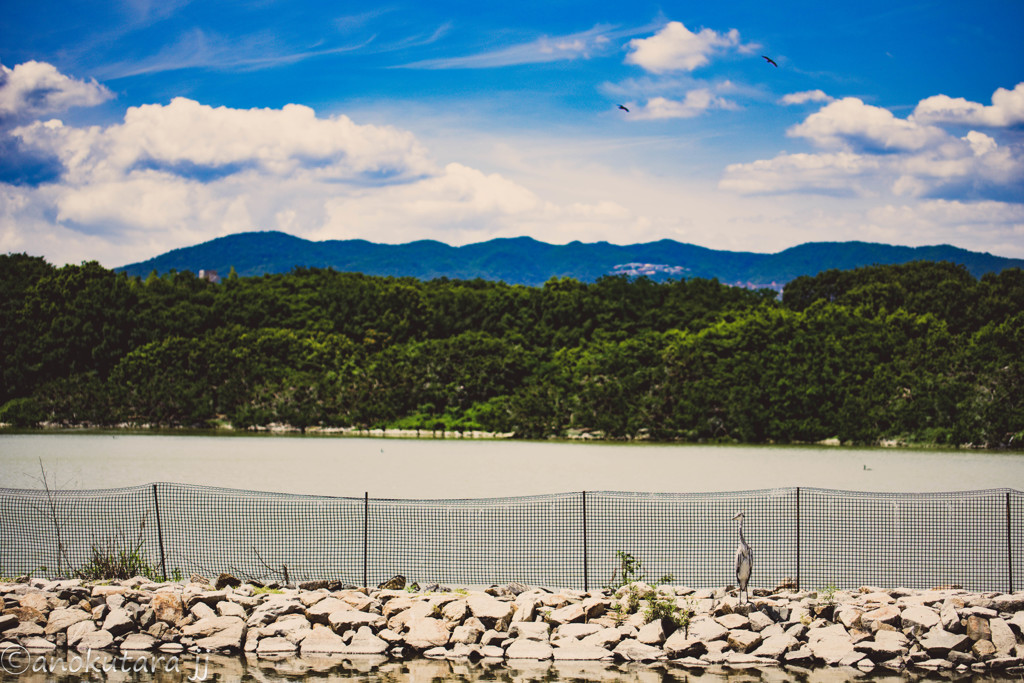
[[623, 108], [771, 61]]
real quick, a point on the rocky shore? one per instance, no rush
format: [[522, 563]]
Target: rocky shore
[[868, 629]]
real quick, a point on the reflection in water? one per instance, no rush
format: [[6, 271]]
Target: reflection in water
[[71, 668]]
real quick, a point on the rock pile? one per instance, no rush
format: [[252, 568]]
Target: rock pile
[[946, 629]]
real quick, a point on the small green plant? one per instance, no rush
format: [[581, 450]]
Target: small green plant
[[827, 596], [618, 614], [112, 560], [260, 590], [629, 571]]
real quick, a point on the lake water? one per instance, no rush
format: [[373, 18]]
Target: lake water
[[455, 468]]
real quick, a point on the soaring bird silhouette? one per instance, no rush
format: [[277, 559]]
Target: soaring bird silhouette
[[770, 61], [623, 108], [744, 560]]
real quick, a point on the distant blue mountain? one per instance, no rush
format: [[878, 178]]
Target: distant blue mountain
[[523, 260]]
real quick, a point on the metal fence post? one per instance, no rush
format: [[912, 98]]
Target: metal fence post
[[366, 539], [798, 538], [586, 568], [159, 532], [1009, 543]]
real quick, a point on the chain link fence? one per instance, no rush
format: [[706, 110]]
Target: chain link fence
[[810, 537]]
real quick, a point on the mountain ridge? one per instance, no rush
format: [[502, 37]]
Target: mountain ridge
[[527, 261]]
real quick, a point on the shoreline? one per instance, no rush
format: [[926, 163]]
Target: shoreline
[[867, 629], [576, 436]]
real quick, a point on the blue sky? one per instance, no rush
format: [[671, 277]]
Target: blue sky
[[131, 127]]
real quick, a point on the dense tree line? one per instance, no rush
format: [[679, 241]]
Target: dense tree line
[[922, 352]]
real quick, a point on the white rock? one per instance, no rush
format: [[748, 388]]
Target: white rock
[[365, 643], [920, 619], [652, 633], [226, 608], [574, 650], [606, 638], [138, 642], [1002, 637], [118, 622], [275, 646], [774, 647], [427, 632], [531, 630], [576, 631], [635, 651], [60, 619], [77, 631], [322, 640], [707, 629], [529, 649], [95, 640]]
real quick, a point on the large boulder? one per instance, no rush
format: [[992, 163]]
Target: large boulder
[[774, 647], [60, 619], [95, 640], [427, 632], [138, 642], [679, 645], [529, 649], [494, 613], [322, 640], [938, 642], [575, 651], [633, 650], [364, 642], [118, 622], [349, 620], [167, 607]]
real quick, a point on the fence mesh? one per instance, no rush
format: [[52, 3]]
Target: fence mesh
[[814, 537]]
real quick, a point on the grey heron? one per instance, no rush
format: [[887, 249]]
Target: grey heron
[[744, 560]]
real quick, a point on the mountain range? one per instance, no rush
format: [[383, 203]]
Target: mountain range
[[526, 261]]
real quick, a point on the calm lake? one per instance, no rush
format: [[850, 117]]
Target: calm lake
[[454, 468]]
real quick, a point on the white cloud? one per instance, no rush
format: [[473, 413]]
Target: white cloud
[[1007, 109], [676, 48], [695, 103], [870, 153], [37, 88], [850, 124], [189, 139], [805, 97], [840, 173], [177, 174]]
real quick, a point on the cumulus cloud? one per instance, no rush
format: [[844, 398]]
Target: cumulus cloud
[[695, 103], [192, 140], [176, 174], [805, 97], [676, 48], [851, 124], [838, 174], [36, 88], [868, 152], [1007, 109]]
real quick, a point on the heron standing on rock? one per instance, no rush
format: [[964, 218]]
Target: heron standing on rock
[[744, 560]]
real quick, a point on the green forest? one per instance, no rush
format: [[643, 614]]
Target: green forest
[[921, 353]]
